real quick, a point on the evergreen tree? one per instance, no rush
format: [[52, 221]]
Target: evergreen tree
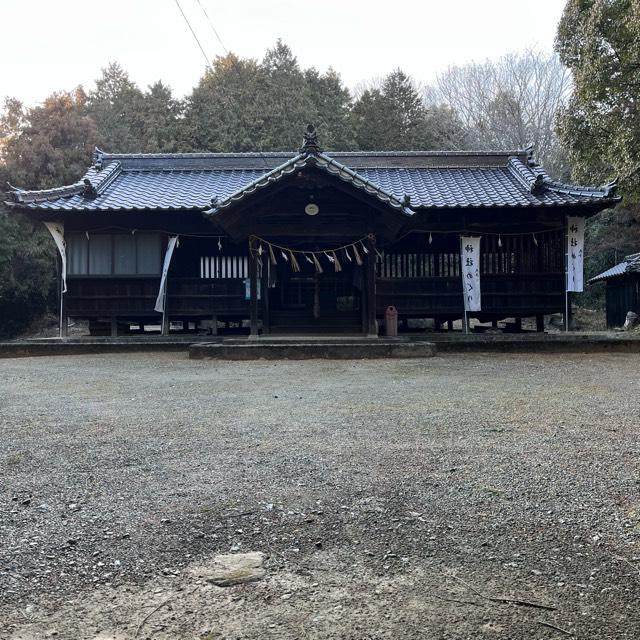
[[224, 112], [394, 117], [598, 40], [332, 104], [117, 106], [600, 126], [47, 145], [161, 124], [286, 100]]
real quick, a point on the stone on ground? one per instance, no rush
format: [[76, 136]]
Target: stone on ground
[[230, 569]]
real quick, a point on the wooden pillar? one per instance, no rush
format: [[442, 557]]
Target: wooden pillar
[[253, 288], [166, 326], [540, 323], [449, 325], [214, 325], [62, 302], [568, 314], [518, 323], [264, 294], [114, 327], [165, 322], [370, 286]]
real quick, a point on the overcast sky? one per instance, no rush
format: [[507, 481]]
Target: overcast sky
[[48, 45]]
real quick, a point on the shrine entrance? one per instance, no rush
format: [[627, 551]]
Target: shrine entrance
[[311, 302]]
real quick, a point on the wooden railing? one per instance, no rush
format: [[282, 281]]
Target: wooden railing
[[205, 297], [135, 297], [506, 294]]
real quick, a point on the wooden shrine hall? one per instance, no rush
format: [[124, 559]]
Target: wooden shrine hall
[[307, 242]]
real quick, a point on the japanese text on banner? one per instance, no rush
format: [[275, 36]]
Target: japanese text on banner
[[575, 254], [470, 260]]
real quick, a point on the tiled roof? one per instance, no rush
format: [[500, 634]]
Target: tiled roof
[[325, 163], [407, 181], [631, 264]]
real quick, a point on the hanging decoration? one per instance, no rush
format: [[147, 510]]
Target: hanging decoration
[[349, 251], [336, 262], [317, 264], [357, 255], [294, 263]]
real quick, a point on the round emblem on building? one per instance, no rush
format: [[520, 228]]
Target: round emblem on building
[[312, 209]]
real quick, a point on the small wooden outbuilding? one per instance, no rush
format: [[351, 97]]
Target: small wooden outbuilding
[[623, 289]]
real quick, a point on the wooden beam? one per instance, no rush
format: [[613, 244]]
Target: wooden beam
[[370, 287], [264, 295], [253, 288], [62, 299]]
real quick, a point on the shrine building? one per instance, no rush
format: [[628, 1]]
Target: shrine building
[[308, 241]]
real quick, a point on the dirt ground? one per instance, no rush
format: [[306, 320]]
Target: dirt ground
[[462, 496]]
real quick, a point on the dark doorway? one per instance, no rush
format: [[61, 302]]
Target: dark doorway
[[308, 301]]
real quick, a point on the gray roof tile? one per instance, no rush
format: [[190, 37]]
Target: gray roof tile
[[631, 264], [430, 180]]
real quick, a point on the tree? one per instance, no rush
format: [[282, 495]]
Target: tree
[[393, 116], [223, 113], [40, 147], [47, 145], [509, 103], [243, 105], [598, 41], [161, 121], [117, 106], [27, 286], [600, 125], [332, 104], [286, 101]]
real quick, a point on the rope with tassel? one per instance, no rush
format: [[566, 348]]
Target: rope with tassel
[[289, 254]]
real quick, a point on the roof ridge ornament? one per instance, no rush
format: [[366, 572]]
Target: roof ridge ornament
[[529, 150], [611, 187], [89, 190], [98, 158], [537, 186], [310, 141]]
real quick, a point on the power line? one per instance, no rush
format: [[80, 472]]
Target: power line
[[215, 32], [193, 33]]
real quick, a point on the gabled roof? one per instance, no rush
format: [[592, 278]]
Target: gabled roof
[[406, 181], [631, 264], [322, 162]]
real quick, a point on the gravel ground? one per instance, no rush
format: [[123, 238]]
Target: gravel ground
[[437, 498]]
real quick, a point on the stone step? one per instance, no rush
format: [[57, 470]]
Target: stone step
[[307, 350]]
